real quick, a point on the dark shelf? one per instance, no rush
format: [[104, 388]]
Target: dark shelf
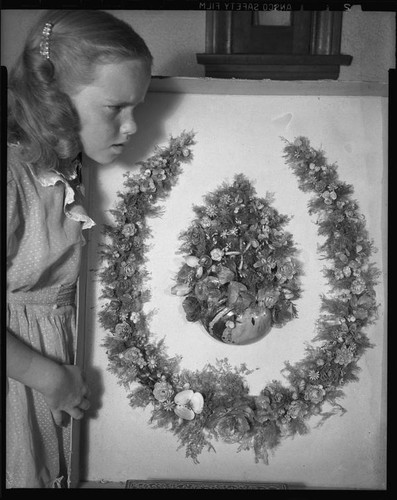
[[275, 67]]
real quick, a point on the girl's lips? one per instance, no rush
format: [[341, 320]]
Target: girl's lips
[[118, 148]]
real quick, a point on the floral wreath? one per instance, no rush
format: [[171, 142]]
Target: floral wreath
[[240, 273], [214, 403]]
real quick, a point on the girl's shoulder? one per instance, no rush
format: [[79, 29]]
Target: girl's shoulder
[[16, 167]]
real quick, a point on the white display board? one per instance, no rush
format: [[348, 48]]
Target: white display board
[[238, 132]]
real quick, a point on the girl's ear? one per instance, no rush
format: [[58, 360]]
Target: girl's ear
[[46, 71]]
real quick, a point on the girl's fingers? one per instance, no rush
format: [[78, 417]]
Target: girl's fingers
[[85, 404], [76, 413], [57, 416]]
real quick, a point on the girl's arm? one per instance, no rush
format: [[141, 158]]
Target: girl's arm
[[62, 386]]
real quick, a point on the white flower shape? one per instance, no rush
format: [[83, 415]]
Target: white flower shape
[[194, 262], [188, 404], [181, 289], [216, 254]]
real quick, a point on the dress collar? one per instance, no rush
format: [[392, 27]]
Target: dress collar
[[71, 172], [71, 178]]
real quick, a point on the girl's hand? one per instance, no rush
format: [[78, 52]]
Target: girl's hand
[[67, 392], [62, 386]]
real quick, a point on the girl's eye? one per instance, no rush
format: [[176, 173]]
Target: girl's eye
[[115, 109]]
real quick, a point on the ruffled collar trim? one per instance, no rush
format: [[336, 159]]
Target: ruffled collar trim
[[71, 178]]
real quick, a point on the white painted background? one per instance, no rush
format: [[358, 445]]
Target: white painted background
[[240, 133]]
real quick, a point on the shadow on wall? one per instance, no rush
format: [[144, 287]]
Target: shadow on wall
[[150, 118]]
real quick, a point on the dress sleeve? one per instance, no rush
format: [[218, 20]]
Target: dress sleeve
[[13, 217]]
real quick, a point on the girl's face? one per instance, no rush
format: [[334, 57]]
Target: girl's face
[[106, 107]]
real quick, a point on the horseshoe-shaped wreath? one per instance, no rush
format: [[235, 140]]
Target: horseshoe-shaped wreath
[[214, 403]]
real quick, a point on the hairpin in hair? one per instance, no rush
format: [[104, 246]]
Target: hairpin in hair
[[45, 40]]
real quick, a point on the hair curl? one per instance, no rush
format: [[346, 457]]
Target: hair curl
[[41, 116]]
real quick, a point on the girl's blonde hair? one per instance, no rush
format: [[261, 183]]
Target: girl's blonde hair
[[41, 116]]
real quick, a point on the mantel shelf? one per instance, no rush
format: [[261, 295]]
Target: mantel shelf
[[273, 66], [274, 59]]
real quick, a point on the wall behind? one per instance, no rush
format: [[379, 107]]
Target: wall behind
[[370, 37], [175, 37]]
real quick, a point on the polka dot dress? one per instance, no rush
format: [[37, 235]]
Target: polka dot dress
[[45, 218]]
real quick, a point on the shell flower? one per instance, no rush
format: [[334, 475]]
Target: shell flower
[[134, 189], [342, 257], [123, 329], [134, 317], [128, 270], [329, 197], [224, 274], [188, 404], [206, 221], [197, 234], [159, 174], [358, 286], [297, 409], [286, 271], [192, 308], [129, 230], [268, 296], [125, 246], [146, 173], [329, 375], [212, 210], [262, 402], [192, 260], [344, 356], [314, 167], [196, 263], [225, 199], [339, 274], [159, 162], [162, 391], [280, 238], [216, 254], [148, 185], [314, 393], [347, 271], [181, 289], [152, 362], [168, 405], [134, 355], [288, 294], [313, 375], [207, 287], [320, 186]]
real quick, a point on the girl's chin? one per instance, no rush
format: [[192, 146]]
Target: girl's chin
[[106, 157]]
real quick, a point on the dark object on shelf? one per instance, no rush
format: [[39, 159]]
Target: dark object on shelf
[[296, 45]]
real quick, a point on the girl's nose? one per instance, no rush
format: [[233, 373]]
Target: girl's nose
[[128, 126]]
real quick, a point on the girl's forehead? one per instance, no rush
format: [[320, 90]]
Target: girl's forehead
[[114, 75]]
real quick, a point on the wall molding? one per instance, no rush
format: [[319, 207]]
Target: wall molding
[[235, 86]]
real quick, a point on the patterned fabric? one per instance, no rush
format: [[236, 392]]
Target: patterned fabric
[[45, 218]]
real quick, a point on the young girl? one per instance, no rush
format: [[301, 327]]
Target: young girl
[[73, 90]]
